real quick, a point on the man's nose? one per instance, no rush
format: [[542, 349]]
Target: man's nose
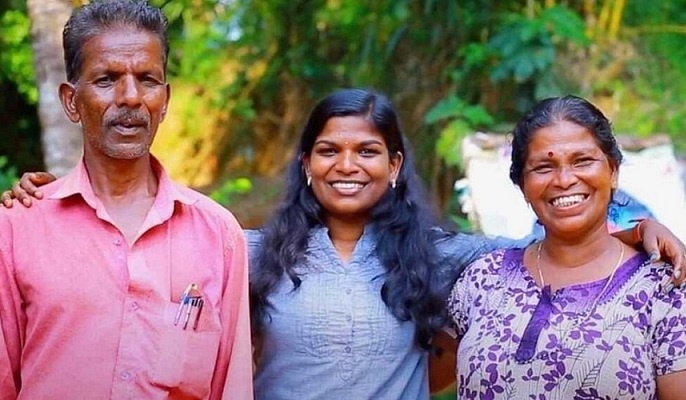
[[128, 92]]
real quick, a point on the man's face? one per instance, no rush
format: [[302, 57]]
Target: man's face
[[121, 95]]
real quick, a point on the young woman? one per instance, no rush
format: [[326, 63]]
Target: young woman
[[578, 314]]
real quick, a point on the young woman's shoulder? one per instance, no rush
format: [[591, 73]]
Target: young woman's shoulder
[[253, 238]]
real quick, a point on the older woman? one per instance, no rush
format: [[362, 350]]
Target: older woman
[[579, 314]]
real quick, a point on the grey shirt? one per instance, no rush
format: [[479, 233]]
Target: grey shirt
[[334, 338]]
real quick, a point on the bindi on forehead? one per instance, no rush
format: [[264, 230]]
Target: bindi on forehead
[[550, 154]]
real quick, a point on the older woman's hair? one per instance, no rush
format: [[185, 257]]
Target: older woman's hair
[[98, 16], [557, 109], [403, 221]]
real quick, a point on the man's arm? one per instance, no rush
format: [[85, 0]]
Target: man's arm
[[12, 320], [8, 386], [235, 350]]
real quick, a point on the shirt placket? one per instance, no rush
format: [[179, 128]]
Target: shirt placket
[[128, 382], [348, 350], [124, 379]]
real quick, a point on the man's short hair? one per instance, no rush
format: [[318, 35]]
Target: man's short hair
[[98, 16]]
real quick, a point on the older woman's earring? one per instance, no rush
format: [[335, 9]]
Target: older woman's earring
[[309, 180], [393, 183]]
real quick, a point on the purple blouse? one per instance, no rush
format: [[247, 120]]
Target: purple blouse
[[520, 342]]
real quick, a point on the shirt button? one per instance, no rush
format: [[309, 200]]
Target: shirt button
[[348, 349], [348, 318], [348, 291], [134, 306], [117, 242], [125, 376]]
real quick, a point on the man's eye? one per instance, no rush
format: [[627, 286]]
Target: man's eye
[[103, 81], [150, 81]]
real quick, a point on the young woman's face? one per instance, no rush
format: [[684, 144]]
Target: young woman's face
[[568, 180], [350, 167]]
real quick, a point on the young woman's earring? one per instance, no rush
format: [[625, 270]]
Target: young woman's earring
[[393, 183], [309, 180]]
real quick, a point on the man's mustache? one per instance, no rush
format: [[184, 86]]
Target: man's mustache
[[128, 117]]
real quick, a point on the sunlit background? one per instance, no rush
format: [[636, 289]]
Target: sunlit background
[[245, 74]]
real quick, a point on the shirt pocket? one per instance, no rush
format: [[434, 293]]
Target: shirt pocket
[[187, 357]]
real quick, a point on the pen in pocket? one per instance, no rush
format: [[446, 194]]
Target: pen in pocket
[[190, 306]]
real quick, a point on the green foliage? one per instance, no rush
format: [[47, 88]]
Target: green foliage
[[230, 189], [447, 395], [254, 69], [462, 119], [16, 61], [8, 174], [527, 46], [653, 94]]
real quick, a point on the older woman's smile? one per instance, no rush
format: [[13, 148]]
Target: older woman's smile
[[568, 201]]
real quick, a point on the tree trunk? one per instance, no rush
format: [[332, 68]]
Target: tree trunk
[[62, 140]]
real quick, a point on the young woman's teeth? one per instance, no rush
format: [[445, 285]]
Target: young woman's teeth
[[567, 201], [347, 185]]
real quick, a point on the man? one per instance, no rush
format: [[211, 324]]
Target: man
[[127, 285]]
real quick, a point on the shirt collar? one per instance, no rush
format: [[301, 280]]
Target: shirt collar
[[78, 182]]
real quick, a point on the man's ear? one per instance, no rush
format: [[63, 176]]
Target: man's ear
[[166, 102], [67, 93]]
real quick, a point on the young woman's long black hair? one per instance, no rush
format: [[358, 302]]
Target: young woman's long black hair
[[405, 225]]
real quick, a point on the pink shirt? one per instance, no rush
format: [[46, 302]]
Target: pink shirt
[[85, 316]]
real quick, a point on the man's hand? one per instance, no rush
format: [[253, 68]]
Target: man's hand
[[26, 188]]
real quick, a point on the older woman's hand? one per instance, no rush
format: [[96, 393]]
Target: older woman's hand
[[26, 188]]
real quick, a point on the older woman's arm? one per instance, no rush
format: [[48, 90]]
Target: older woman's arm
[[672, 386], [668, 342]]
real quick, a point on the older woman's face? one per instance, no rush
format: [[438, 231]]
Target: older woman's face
[[350, 167], [568, 180]]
